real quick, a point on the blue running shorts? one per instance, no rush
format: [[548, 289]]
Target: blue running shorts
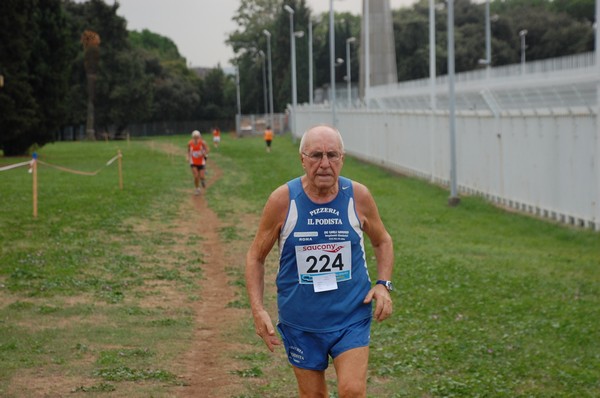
[[311, 350]]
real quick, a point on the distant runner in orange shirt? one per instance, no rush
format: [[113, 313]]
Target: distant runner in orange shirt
[[196, 156], [268, 137], [216, 137]]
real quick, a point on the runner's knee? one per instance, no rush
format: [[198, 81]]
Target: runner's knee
[[311, 391], [352, 388]]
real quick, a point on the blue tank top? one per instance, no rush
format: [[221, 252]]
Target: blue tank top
[[319, 241]]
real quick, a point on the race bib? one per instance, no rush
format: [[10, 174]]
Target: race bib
[[197, 154], [324, 258]]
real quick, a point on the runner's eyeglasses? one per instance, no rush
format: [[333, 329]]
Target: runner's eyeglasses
[[318, 156]]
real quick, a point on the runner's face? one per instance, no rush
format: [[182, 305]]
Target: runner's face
[[324, 173]]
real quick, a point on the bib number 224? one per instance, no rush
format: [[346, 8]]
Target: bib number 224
[[322, 264], [321, 259]]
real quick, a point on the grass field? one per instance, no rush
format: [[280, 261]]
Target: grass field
[[488, 303], [81, 287]]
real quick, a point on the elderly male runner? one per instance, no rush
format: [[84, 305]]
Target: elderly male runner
[[324, 293]]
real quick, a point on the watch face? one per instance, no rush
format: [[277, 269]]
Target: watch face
[[389, 286]]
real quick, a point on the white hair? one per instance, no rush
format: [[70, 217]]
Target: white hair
[[303, 139]]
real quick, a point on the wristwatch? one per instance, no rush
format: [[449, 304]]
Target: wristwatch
[[388, 284]]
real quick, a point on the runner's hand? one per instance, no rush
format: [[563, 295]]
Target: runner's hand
[[383, 308], [266, 331]]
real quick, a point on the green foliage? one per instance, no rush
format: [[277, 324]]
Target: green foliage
[[218, 94], [578, 9], [255, 15], [117, 357], [101, 387], [35, 61], [556, 28], [140, 76], [124, 373], [160, 47], [177, 90], [254, 371], [553, 32], [123, 93]]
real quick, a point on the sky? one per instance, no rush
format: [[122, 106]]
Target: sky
[[200, 27]]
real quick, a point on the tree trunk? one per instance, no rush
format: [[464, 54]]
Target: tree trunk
[[90, 133]]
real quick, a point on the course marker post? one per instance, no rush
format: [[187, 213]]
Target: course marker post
[[120, 169], [35, 190]]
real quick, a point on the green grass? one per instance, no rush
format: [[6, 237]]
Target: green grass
[[488, 303], [77, 281]]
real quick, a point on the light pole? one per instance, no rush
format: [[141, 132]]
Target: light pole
[[597, 50], [290, 11], [432, 65], [367, 44], [239, 103], [454, 199], [310, 60], [488, 39], [523, 35], [268, 34], [349, 70], [264, 76], [332, 61]]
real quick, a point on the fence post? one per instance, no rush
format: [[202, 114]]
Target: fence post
[[120, 170], [35, 189]]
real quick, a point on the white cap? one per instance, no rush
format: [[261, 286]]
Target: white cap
[[196, 133]]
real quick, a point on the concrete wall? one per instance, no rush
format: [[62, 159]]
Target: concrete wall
[[542, 164]]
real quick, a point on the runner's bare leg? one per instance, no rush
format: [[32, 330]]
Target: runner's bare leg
[[311, 383], [351, 368]]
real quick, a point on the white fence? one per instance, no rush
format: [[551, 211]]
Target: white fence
[[527, 138], [542, 164]]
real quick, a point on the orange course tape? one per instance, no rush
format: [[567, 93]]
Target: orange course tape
[[72, 171]]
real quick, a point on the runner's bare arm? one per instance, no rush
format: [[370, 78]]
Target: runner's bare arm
[[270, 225], [382, 245]]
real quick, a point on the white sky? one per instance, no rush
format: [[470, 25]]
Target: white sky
[[200, 27]]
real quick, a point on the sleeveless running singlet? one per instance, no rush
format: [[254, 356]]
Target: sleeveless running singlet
[[197, 152], [317, 242]]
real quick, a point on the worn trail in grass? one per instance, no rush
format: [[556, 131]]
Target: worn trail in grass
[[208, 367]]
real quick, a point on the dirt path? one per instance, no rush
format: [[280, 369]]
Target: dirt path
[[210, 359]]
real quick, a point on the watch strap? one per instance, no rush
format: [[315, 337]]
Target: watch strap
[[388, 284]]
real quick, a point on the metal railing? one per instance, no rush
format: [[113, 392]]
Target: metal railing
[[559, 64], [558, 85]]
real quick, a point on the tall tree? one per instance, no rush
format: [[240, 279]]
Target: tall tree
[[176, 88], [91, 51], [35, 59], [219, 95], [123, 90]]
